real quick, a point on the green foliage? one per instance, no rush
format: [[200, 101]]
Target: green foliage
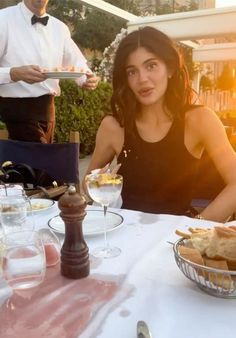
[[93, 29], [97, 30], [205, 83], [2, 125], [6, 3], [68, 11], [87, 34], [225, 81], [187, 53], [173, 6], [81, 110]]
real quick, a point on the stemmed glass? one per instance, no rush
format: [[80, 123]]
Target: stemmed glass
[[105, 188]]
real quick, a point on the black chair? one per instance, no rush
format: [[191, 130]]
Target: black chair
[[60, 161]]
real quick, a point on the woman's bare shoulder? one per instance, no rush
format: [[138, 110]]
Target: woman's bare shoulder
[[110, 125], [201, 115], [198, 111]]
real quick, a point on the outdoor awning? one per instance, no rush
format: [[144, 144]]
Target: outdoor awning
[[108, 8], [215, 52], [198, 24], [185, 27]]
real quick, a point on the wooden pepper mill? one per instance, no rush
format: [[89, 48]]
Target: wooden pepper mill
[[74, 252]]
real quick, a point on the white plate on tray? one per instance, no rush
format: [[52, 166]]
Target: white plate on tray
[[39, 205], [93, 223], [63, 75]]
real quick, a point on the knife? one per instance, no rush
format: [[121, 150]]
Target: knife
[[143, 330]]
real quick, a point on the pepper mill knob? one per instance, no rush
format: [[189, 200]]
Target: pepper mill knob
[[74, 252]]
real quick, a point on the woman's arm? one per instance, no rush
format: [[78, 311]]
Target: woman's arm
[[214, 140]]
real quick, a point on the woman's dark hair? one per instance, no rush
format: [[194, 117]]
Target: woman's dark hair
[[178, 96]]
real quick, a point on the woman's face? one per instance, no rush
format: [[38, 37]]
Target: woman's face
[[147, 76]]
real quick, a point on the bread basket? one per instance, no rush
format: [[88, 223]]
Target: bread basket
[[216, 282]]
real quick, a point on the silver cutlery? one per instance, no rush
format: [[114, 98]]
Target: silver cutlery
[[171, 243], [143, 330]]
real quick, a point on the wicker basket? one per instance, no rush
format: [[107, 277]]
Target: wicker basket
[[216, 282]]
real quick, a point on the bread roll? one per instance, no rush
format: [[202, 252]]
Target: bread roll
[[191, 254], [201, 240], [194, 256], [225, 281], [222, 244], [218, 243]]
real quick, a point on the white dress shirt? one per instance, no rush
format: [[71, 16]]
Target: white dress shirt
[[22, 43]]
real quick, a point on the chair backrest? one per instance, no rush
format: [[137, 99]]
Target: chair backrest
[[60, 161]]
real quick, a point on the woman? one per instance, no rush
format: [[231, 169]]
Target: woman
[[157, 133]]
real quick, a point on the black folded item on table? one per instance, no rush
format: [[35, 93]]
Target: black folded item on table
[[26, 175]]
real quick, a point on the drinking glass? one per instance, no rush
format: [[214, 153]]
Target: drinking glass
[[13, 213], [1, 254], [24, 262], [52, 246], [104, 189]]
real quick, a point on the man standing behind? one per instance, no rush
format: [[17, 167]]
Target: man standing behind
[[32, 42]]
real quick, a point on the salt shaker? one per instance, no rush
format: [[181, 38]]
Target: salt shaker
[[74, 252]]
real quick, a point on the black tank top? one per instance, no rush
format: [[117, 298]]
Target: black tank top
[[159, 176]]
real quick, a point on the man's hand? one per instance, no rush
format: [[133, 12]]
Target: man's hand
[[91, 82], [30, 74]]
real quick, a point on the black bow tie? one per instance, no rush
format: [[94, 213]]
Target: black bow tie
[[43, 20]]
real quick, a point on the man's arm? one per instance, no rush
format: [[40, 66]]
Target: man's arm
[[74, 57]]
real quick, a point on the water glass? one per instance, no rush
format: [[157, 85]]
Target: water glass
[[13, 213], [11, 189], [52, 247], [24, 262], [1, 255]]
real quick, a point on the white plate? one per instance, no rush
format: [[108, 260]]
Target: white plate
[[40, 204], [63, 75], [93, 223]]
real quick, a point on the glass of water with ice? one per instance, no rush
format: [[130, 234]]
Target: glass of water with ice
[[13, 213]]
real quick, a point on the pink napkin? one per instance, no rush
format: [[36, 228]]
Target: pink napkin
[[61, 307]]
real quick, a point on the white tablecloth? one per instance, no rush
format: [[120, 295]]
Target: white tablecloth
[[152, 287]]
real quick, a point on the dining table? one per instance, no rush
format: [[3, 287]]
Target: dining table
[[143, 283]]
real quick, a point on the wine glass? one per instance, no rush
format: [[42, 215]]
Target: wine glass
[[105, 188]]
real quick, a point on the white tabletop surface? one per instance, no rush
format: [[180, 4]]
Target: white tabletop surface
[[152, 288]]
